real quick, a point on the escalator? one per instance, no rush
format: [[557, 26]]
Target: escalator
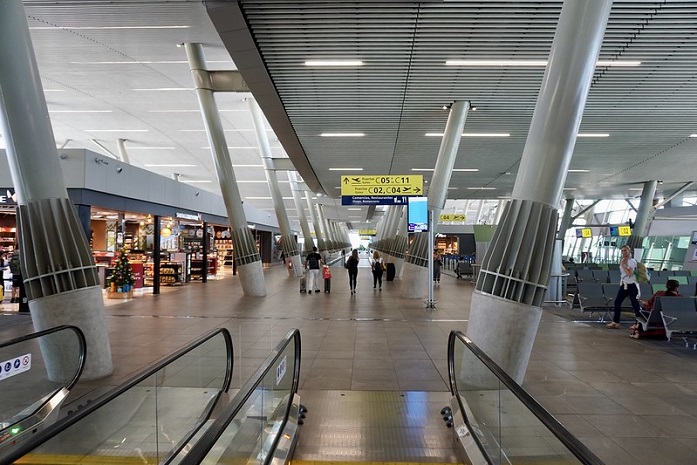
[[151, 418], [37, 372], [179, 411], [496, 422]]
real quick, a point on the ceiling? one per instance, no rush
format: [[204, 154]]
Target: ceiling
[[101, 61]]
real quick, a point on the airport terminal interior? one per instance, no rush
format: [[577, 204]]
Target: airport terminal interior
[[207, 146]]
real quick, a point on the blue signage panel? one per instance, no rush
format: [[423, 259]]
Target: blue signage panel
[[374, 199]]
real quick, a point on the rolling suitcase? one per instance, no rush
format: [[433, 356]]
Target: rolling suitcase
[[303, 284], [327, 275], [390, 271]]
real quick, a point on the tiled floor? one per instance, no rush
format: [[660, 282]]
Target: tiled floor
[[629, 401]]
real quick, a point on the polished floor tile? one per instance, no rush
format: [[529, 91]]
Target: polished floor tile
[[370, 357]]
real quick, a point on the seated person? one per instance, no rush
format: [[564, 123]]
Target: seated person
[[671, 290]]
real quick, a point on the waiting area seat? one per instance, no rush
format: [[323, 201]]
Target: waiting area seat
[[592, 299], [680, 317]]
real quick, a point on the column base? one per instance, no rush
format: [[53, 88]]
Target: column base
[[504, 330], [83, 308], [414, 281], [252, 279]]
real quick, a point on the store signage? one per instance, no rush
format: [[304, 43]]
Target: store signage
[[412, 184], [452, 217], [373, 200], [188, 216], [9, 198]]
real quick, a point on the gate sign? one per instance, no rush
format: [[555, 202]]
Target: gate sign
[[380, 185], [452, 217]]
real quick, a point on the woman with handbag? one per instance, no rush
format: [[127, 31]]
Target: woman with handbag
[[378, 266]]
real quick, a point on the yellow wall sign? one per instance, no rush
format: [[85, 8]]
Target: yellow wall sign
[[367, 232], [625, 230], [452, 217], [408, 184]]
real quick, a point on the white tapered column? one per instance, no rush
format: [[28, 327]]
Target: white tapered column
[[58, 270], [506, 305], [415, 276], [246, 254]]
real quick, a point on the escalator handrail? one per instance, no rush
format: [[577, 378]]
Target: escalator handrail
[[203, 446], [39, 334], [53, 430], [580, 451]]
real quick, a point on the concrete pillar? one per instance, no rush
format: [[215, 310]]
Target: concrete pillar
[[415, 275], [641, 222], [565, 219], [246, 254], [479, 212], [315, 222], [506, 305], [401, 241], [123, 153], [288, 242], [297, 199], [328, 240], [60, 277], [499, 211]]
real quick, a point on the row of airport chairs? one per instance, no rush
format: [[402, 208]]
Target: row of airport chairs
[[600, 297], [613, 276]]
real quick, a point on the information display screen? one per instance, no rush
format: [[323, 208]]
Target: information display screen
[[417, 214]]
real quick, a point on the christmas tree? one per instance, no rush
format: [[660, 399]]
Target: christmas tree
[[122, 276]]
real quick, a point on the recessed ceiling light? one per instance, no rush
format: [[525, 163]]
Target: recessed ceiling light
[[117, 130], [472, 134], [345, 169], [157, 89], [79, 111], [530, 63], [579, 171], [358, 209], [461, 170], [333, 63], [169, 165], [80, 28], [693, 135], [592, 134], [233, 148], [342, 134], [151, 148]]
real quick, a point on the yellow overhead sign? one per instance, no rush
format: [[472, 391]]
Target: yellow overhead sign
[[625, 230], [390, 184], [452, 217], [367, 232]]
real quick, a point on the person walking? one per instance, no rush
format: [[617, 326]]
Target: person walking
[[437, 264], [628, 287], [16, 276], [352, 266], [378, 266], [313, 262]]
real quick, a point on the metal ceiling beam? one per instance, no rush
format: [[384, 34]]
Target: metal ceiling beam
[[673, 195], [573, 218]]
